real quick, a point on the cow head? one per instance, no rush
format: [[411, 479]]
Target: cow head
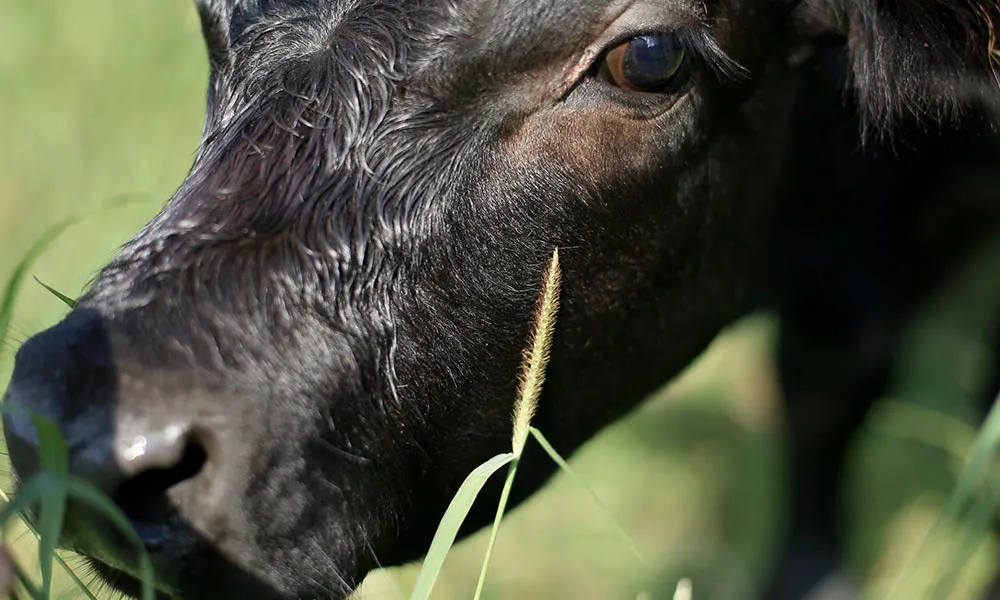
[[285, 376]]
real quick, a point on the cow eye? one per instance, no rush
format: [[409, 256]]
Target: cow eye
[[653, 63]]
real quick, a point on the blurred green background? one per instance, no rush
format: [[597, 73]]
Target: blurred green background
[[102, 100]]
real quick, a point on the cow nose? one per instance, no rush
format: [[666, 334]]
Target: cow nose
[[136, 471], [66, 376]]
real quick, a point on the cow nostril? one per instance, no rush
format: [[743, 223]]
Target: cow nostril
[[144, 496]]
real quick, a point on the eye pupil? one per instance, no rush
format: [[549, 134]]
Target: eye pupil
[[652, 61]]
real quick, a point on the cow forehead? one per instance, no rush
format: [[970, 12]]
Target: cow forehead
[[499, 26], [519, 14], [449, 50]]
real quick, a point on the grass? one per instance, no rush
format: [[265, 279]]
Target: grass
[[103, 100]]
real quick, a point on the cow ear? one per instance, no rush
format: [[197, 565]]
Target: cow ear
[[215, 18], [929, 58]]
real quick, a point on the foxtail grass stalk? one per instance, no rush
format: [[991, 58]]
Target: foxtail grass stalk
[[536, 358]]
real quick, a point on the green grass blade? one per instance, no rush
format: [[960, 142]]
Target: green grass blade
[[41, 244], [54, 457], [71, 303], [978, 465], [88, 494], [26, 582], [31, 492], [559, 460], [34, 530], [536, 360], [977, 527], [453, 518], [501, 507], [17, 278], [925, 425], [981, 457], [80, 585]]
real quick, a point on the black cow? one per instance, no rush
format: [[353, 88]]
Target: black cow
[[285, 376]]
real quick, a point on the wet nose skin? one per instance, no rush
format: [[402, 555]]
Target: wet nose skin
[[64, 374], [65, 370], [50, 371]]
